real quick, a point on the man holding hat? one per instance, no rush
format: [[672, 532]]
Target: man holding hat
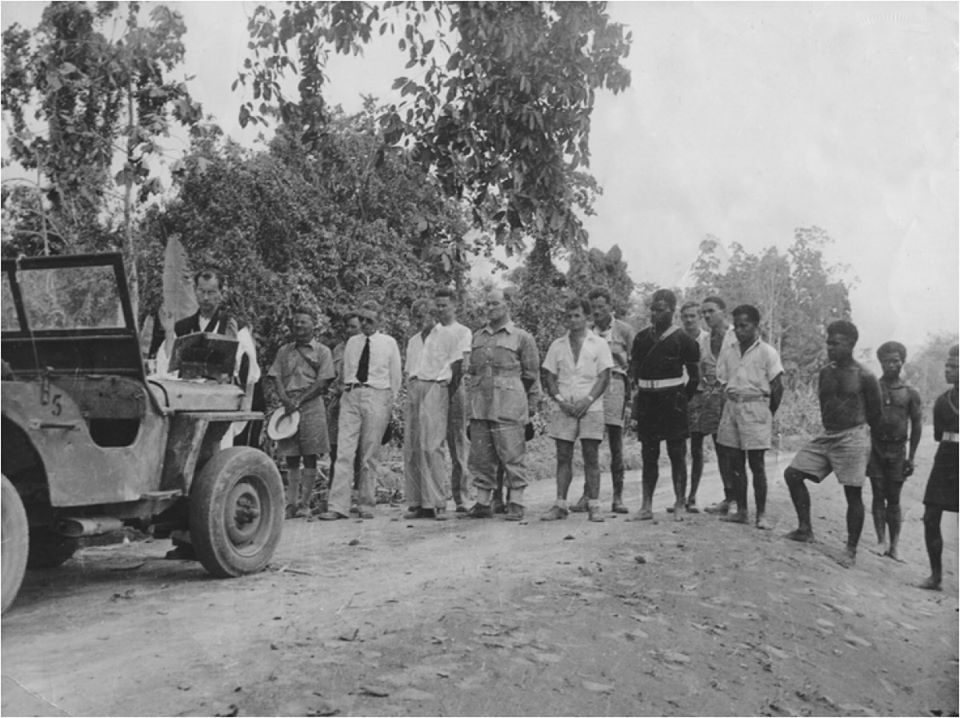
[[371, 380], [300, 374]]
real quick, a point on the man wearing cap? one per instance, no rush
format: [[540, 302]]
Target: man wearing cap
[[300, 374], [503, 384], [657, 361], [431, 354], [371, 379]]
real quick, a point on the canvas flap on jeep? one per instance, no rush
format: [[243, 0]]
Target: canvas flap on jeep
[[69, 314]]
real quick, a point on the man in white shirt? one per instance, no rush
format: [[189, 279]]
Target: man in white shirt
[[460, 487], [371, 380], [576, 373], [431, 353]]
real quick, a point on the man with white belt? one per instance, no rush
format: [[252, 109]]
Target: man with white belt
[[657, 361], [751, 372]]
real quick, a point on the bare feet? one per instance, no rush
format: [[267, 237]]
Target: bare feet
[[642, 515], [738, 518], [678, 511], [849, 557], [892, 553], [932, 583], [763, 524], [801, 535], [692, 506]]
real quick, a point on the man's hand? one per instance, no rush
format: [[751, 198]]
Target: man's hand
[[291, 406], [908, 468], [567, 407], [581, 406]]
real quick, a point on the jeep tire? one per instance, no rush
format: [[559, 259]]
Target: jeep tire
[[15, 541], [236, 512]]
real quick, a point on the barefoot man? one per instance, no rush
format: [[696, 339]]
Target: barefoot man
[[941, 493], [849, 407], [890, 464]]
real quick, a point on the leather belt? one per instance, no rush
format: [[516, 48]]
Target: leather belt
[[660, 383], [355, 385], [737, 399], [432, 381], [951, 436]]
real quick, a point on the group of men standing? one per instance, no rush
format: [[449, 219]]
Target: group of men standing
[[475, 394]]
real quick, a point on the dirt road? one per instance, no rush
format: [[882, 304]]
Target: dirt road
[[466, 617]]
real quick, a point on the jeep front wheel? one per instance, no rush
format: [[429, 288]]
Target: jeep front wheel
[[236, 512], [15, 541]]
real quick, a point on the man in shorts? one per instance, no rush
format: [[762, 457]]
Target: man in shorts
[[659, 356], [616, 399], [890, 463], [576, 371], [850, 405], [706, 406], [300, 373], [751, 374], [941, 493]]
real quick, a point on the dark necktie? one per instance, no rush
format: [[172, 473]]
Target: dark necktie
[[364, 367]]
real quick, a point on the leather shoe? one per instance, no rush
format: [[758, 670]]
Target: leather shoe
[[497, 505], [555, 513], [514, 512], [331, 516], [580, 506], [440, 515], [596, 516], [618, 506], [414, 513], [478, 511], [366, 514]]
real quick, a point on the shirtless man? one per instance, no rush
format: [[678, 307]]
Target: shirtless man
[[890, 463], [850, 406]]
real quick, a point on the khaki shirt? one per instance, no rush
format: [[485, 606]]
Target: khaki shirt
[[500, 361], [292, 369]]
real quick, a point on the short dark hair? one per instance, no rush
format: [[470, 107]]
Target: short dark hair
[[419, 304], [844, 328], [577, 303], [687, 305], [715, 300], [209, 273], [598, 292], [300, 309], [892, 348], [445, 292], [665, 295], [747, 310]]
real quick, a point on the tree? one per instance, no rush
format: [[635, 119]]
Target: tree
[[541, 291], [594, 268], [89, 90], [501, 115]]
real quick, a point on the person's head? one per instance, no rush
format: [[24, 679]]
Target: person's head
[[424, 314], [713, 310], [351, 324], [496, 305], [575, 312], [690, 317], [303, 324], [746, 323], [663, 303], [950, 370], [601, 306], [842, 337], [445, 300], [891, 355], [209, 286], [369, 313]]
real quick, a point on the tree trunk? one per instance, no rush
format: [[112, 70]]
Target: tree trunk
[[129, 248]]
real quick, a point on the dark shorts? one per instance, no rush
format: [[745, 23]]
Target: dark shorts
[[941, 490], [704, 412], [887, 461], [661, 415]]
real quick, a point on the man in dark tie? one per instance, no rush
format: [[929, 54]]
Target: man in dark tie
[[371, 380]]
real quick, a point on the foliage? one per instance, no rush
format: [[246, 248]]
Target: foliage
[[90, 88], [499, 110], [541, 292], [326, 227], [924, 371], [797, 292]]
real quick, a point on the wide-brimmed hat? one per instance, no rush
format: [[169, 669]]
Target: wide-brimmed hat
[[283, 425]]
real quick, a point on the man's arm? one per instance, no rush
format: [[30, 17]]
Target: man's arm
[[396, 368], [288, 404], [691, 360], [530, 370], [776, 393], [916, 429], [872, 400], [550, 383], [596, 391]]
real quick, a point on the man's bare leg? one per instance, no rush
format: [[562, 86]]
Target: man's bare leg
[[879, 509], [801, 504], [934, 541], [738, 479], [855, 515], [677, 451], [755, 457], [650, 451]]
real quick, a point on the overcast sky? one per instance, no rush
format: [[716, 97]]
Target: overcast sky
[[743, 121]]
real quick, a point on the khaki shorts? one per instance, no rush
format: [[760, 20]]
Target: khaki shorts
[[746, 425], [845, 453], [568, 428], [614, 400]]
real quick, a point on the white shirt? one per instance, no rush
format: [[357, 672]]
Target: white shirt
[[384, 371], [464, 337], [245, 345], [432, 360], [748, 374], [575, 379]]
